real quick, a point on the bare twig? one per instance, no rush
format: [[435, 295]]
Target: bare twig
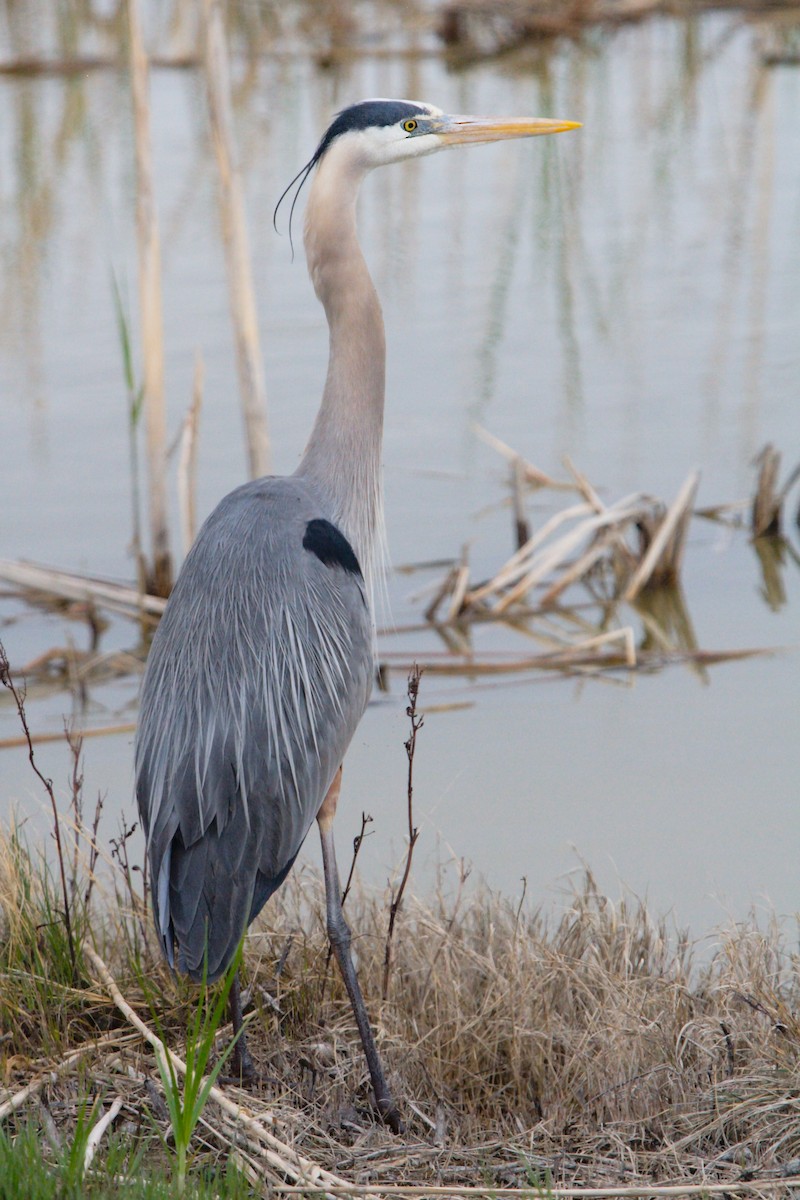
[[18, 698], [187, 463], [358, 840], [75, 743], [413, 832]]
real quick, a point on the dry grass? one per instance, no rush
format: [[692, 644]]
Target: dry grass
[[586, 1049]]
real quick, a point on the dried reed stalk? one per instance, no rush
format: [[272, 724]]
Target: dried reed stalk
[[40, 739], [103, 592], [522, 529], [532, 475], [149, 253], [187, 463], [20, 1097], [518, 564], [664, 556], [249, 361], [96, 1135], [551, 557], [766, 513]]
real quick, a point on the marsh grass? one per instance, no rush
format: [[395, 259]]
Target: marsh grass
[[593, 1047], [186, 1101], [589, 1048]]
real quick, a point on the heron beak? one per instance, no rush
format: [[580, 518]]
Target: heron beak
[[457, 130]]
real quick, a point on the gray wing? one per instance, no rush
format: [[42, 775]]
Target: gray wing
[[257, 677]]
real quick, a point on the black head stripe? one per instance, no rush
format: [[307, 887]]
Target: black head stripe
[[330, 546], [368, 114]]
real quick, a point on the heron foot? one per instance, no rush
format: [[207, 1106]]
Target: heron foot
[[241, 1071], [390, 1115]]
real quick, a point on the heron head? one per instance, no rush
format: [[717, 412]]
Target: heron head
[[373, 133], [376, 132]]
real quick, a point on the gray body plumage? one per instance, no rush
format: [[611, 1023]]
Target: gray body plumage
[[258, 675]]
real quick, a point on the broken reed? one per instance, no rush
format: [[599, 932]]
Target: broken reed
[[637, 542]]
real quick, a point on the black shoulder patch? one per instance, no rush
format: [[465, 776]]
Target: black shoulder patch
[[330, 546]]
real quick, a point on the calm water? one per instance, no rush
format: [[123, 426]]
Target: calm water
[[628, 295]]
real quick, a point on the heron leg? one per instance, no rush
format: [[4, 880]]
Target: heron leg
[[339, 935], [242, 1066]]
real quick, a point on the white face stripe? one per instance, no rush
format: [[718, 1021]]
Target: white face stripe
[[379, 145]]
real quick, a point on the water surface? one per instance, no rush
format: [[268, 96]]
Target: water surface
[[628, 295]]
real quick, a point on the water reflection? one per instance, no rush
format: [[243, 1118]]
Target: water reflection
[[629, 298]]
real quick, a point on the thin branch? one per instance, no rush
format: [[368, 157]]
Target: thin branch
[[413, 832], [358, 840], [19, 701]]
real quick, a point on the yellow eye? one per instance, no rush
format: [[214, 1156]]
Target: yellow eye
[[410, 126]]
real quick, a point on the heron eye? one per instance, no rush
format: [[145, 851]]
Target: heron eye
[[410, 126]]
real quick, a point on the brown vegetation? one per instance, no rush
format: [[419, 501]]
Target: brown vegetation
[[585, 1049], [579, 1049]]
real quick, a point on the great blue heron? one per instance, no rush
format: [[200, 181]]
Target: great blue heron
[[262, 664]]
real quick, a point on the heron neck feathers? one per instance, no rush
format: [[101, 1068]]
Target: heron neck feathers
[[343, 455]]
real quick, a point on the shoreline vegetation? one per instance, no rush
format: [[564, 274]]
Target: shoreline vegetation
[[532, 1054], [460, 31]]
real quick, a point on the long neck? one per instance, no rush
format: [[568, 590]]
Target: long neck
[[343, 455]]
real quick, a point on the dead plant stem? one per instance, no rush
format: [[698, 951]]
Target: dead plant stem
[[19, 702], [149, 253], [413, 832]]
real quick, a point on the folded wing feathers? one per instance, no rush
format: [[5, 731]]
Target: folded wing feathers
[[276, 681]]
